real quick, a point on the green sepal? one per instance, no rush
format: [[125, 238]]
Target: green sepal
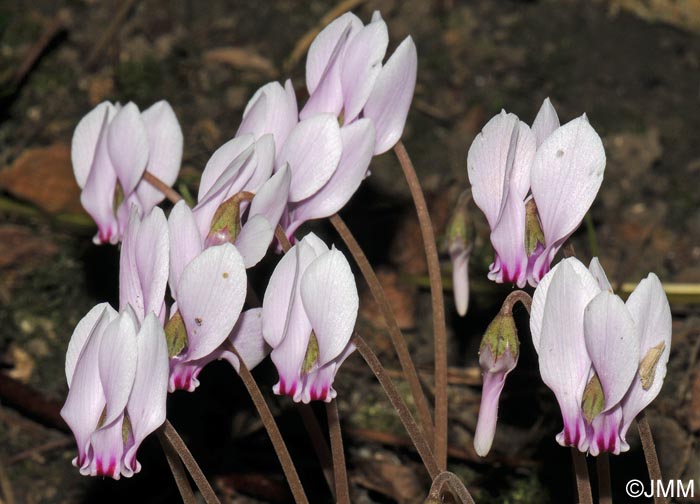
[[501, 335], [593, 401], [175, 334], [533, 228]]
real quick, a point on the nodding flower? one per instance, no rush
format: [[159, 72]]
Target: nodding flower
[[308, 317], [534, 185], [117, 373], [604, 359], [112, 147]]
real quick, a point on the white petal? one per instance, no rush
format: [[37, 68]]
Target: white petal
[[164, 151], [127, 139], [390, 99], [566, 174], [489, 163], [546, 122], [83, 331], [271, 200], [599, 274], [254, 240], [85, 138], [210, 296], [313, 150], [185, 241], [329, 294], [613, 345], [117, 363], [221, 160]]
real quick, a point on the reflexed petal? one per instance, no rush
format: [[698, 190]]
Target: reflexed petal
[[489, 163], [329, 294], [127, 139], [130, 292], [210, 296], [392, 94], [117, 363], [652, 315], [272, 109], [221, 161], [83, 331], [185, 242], [523, 155], [508, 240], [164, 151], [323, 46], [230, 182], [86, 399], [613, 345], [539, 298], [278, 297], [97, 196], [248, 340], [153, 260], [362, 63], [254, 239], [85, 138], [313, 150], [599, 274], [264, 163], [146, 406], [271, 200], [358, 146], [546, 122], [566, 174], [564, 363]]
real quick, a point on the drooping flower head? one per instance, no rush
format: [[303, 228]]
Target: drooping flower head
[[534, 186], [112, 147], [309, 313], [117, 373], [604, 359]]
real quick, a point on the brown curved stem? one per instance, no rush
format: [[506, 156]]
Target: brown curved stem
[[399, 405], [583, 482], [438, 303], [174, 439], [603, 470], [282, 238], [340, 473], [448, 481], [319, 443], [397, 339], [514, 297], [176, 467], [650, 455], [167, 191], [273, 431]]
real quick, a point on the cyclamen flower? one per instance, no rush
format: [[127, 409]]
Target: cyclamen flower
[[344, 74], [534, 187], [117, 373], [112, 147], [604, 359], [309, 313], [209, 286]]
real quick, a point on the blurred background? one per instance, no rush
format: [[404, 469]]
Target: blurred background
[[631, 65]]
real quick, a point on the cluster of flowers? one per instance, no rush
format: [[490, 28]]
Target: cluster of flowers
[[604, 359], [284, 167]]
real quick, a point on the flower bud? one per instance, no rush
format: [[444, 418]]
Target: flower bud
[[459, 243], [498, 356]]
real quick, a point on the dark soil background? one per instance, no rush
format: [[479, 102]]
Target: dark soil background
[[631, 65]]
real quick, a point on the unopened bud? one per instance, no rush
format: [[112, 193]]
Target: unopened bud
[[501, 341], [459, 244], [226, 223], [498, 356], [534, 235]]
